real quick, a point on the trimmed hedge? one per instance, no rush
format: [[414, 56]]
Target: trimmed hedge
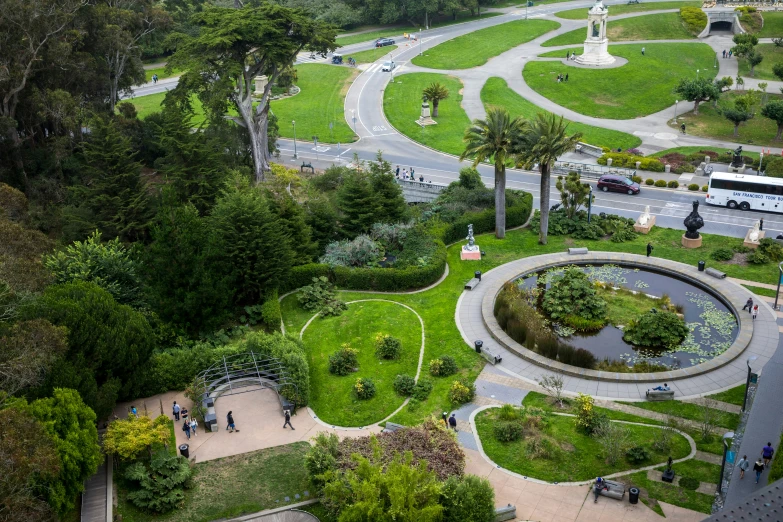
[[484, 221], [623, 159]]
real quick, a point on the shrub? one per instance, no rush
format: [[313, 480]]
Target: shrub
[[722, 254], [403, 384], [757, 257], [660, 183], [694, 18], [461, 392], [621, 159], [360, 251], [507, 431], [343, 361], [637, 454], [649, 181], [771, 248], [443, 366], [422, 389], [705, 188], [624, 235], [693, 187], [656, 329], [689, 483], [315, 296], [321, 458], [270, 311], [391, 236], [573, 294], [585, 412], [637, 179], [161, 487], [673, 184], [468, 498], [387, 347], [364, 388], [507, 412]]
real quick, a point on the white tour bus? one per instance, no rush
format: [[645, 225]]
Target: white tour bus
[[746, 192]]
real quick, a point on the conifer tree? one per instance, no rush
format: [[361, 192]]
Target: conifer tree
[[292, 218], [358, 204], [391, 205]]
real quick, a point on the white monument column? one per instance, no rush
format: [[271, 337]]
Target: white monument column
[[596, 44]]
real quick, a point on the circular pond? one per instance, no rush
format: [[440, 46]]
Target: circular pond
[[629, 293]]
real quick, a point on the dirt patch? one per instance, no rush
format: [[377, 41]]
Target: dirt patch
[[738, 259], [567, 446], [605, 100], [569, 242], [462, 91]]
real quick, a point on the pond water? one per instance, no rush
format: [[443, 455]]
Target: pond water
[[712, 326]]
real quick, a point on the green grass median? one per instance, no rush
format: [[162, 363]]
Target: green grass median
[[662, 26]]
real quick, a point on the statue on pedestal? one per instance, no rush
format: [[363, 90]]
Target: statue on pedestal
[[471, 246], [737, 160], [754, 234], [425, 118], [644, 218], [693, 222]]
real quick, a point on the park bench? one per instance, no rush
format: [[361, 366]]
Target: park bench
[[577, 251], [715, 273], [473, 283], [633, 2], [590, 150], [658, 395], [307, 166], [615, 490], [508, 512], [392, 427], [491, 356]]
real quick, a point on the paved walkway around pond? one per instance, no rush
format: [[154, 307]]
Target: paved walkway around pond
[[473, 310]]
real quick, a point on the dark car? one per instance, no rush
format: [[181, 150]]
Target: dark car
[[383, 42], [613, 183]]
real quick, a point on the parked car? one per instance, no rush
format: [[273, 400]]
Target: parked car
[[388, 66], [613, 183], [383, 42]]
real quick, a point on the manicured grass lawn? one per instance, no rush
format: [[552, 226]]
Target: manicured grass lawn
[[331, 396], [773, 25], [372, 54], [232, 486], [581, 456], [697, 469], [402, 106], [658, 490], [319, 103], [474, 49], [763, 71], [687, 410], [579, 14], [497, 92], [662, 26], [733, 396], [760, 291], [146, 105], [643, 86], [710, 124], [539, 400], [691, 150], [384, 32]]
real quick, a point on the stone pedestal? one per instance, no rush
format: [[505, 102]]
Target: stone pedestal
[[691, 243], [261, 82], [470, 254], [668, 476], [749, 242], [644, 229], [737, 170], [425, 118]]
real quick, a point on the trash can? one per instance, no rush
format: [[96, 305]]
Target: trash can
[[478, 345], [477, 274], [701, 266], [633, 495], [184, 450]]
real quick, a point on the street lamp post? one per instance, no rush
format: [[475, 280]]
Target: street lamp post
[[715, 63], [526, 4], [780, 279], [697, 74], [315, 141], [353, 118], [675, 110], [590, 204], [726, 436], [419, 41], [294, 124], [747, 381]]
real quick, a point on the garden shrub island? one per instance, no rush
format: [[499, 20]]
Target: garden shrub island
[[615, 318]]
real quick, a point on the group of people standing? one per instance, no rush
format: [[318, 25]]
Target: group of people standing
[[562, 78], [189, 426], [753, 309], [407, 175]]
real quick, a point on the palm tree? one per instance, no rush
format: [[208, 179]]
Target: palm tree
[[544, 140], [493, 138], [435, 93]]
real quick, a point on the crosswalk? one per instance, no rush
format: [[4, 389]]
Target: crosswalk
[[308, 58], [376, 67]]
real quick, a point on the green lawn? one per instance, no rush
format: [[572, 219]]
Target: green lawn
[[686, 410], [372, 54], [761, 291], [161, 72], [232, 486], [580, 456], [662, 26], [657, 490], [476, 48], [579, 14], [402, 106], [497, 92], [763, 71], [539, 400], [385, 32], [773, 25], [332, 397], [710, 124], [319, 103], [643, 86], [697, 469], [733, 396]]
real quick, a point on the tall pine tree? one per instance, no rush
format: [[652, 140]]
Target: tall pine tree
[[391, 205], [292, 217], [114, 191], [358, 204]]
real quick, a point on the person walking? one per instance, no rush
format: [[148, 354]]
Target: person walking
[[761, 224], [566, 77], [397, 171], [649, 249], [748, 304], [193, 426], [642, 51], [724, 54], [767, 452], [755, 311], [186, 429], [453, 421], [176, 409], [730, 51], [682, 128], [230, 421], [287, 415], [134, 412], [758, 467], [743, 463]]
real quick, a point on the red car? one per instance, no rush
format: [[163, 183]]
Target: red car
[[613, 183]]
